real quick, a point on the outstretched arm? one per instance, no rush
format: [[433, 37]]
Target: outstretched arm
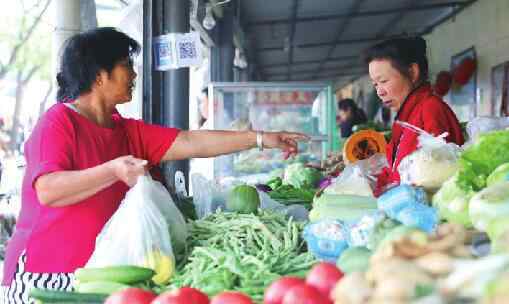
[[204, 143]]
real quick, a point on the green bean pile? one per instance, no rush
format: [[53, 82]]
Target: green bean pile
[[243, 252]]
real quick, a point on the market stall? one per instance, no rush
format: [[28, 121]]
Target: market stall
[[438, 237]]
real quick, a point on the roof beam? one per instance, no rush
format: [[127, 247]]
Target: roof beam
[[283, 64], [344, 70], [392, 22], [330, 43], [291, 35], [423, 7], [453, 13], [342, 28], [328, 76]]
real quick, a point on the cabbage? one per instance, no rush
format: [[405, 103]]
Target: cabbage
[[452, 202], [482, 158], [300, 176], [489, 204], [500, 174]]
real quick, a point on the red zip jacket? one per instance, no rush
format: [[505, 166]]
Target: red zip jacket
[[424, 110]]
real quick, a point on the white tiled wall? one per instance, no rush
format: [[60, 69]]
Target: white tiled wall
[[484, 25]]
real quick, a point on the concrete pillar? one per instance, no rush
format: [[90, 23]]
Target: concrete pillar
[[67, 23]]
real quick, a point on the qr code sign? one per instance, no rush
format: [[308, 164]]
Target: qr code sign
[[164, 50], [187, 50]]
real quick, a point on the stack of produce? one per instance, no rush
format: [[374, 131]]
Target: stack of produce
[[242, 252], [405, 268], [477, 195]]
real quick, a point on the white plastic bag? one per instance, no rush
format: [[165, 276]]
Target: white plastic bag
[[358, 178], [137, 234], [176, 223], [434, 162]]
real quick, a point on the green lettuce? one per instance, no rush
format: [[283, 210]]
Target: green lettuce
[[301, 176], [489, 205], [480, 159], [452, 202], [500, 174]]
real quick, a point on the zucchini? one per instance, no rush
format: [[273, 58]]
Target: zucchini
[[119, 274], [102, 287], [47, 296]]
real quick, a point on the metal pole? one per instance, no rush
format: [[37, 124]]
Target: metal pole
[[175, 85], [147, 62], [221, 64]]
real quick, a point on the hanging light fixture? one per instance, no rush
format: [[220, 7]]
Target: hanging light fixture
[[239, 60], [208, 21]]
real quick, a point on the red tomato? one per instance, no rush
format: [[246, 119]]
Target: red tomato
[[131, 296], [184, 295], [324, 277], [231, 297], [305, 294], [275, 292]]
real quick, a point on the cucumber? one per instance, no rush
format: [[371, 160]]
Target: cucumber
[[47, 296], [119, 274], [102, 287]]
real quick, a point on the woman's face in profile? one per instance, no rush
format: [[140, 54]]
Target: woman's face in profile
[[120, 82], [391, 86]]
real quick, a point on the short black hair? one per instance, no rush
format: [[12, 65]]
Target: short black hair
[[86, 54], [347, 104], [402, 52]]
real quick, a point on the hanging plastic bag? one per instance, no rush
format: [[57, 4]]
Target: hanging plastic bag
[[358, 178], [137, 234], [434, 161], [207, 196], [177, 226]]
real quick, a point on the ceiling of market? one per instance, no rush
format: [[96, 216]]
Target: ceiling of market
[[294, 40]]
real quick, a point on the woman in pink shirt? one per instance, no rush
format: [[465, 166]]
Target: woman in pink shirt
[[82, 157]]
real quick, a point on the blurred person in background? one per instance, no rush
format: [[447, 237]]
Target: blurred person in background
[[348, 116]]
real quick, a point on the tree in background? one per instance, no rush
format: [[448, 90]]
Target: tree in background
[[28, 55]]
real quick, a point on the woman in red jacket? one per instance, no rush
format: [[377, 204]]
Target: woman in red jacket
[[399, 71]]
